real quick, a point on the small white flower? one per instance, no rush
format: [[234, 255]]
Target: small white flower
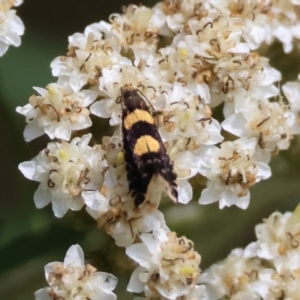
[[187, 119], [137, 28], [231, 170], [198, 293], [232, 278], [88, 54], [64, 170], [125, 231], [292, 91], [57, 112], [278, 241], [178, 12], [120, 218], [240, 78], [257, 31], [274, 285], [11, 26], [72, 279], [169, 266], [269, 122]]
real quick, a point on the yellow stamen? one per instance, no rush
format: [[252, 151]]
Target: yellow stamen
[[183, 53], [51, 91], [63, 155], [188, 270]]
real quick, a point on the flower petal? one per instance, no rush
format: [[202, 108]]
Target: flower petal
[[74, 256]]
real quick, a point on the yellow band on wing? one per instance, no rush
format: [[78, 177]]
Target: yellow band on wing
[[136, 116], [146, 144]]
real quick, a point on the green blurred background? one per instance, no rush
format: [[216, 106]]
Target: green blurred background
[[30, 238]]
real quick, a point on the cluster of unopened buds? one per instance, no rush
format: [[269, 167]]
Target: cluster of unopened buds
[[211, 61]]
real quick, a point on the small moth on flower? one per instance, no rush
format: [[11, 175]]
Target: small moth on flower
[[146, 157]]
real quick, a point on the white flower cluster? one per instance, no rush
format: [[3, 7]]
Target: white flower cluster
[[259, 20], [64, 170], [209, 62], [72, 279], [57, 112], [168, 268], [11, 26], [266, 269], [231, 170]]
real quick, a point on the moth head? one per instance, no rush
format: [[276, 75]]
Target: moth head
[[131, 100]]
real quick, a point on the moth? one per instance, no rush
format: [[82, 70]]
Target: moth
[[144, 152]]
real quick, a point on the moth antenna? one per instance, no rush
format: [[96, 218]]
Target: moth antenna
[[154, 112], [152, 108]]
